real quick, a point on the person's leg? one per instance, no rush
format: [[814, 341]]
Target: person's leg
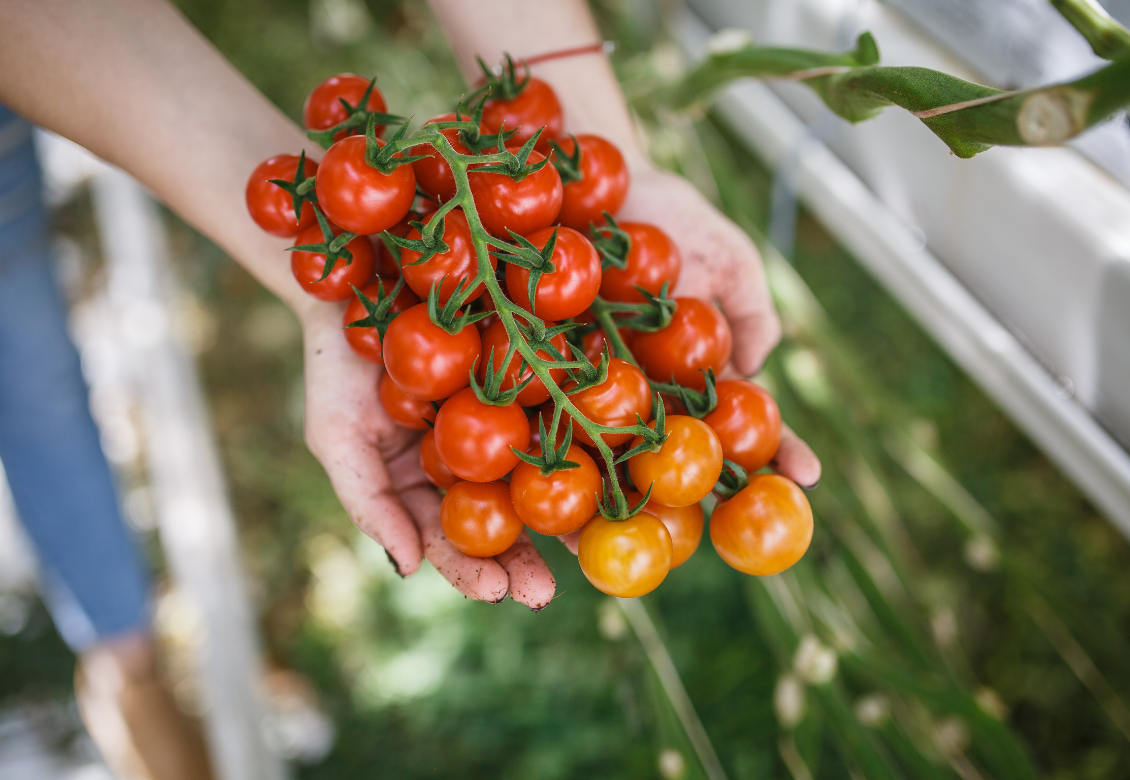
[[93, 576]]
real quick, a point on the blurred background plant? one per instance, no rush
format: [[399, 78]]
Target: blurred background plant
[[962, 611]]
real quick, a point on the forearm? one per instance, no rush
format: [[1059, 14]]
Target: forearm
[[586, 85], [135, 83]]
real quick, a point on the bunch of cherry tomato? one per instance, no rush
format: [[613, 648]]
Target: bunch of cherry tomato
[[529, 336]]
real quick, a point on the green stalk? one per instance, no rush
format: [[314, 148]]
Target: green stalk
[[1108, 39]]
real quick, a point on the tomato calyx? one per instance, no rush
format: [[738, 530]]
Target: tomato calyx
[[429, 244], [470, 133], [451, 317], [300, 188], [615, 507], [378, 311], [356, 119], [697, 403], [588, 375], [514, 164], [611, 242], [551, 459], [333, 247], [653, 314], [525, 254], [502, 82], [653, 438], [569, 165], [491, 392], [385, 156], [732, 481]]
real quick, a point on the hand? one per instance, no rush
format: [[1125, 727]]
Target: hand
[[720, 264], [375, 469]]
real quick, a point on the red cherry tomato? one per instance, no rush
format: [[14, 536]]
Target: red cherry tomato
[[478, 518], [561, 502], [425, 360], [686, 466], [386, 265], [652, 260], [615, 403], [765, 528], [535, 392], [357, 196], [433, 174], [458, 263], [323, 107], [366, 342], [747, 422], [522, 206], [270, 205], [405, 411], [697, 338], [474, 439], [308, 267], [570, 288], [435, 469], [603, 186], [683, 523], [627, 558], [535, 107]]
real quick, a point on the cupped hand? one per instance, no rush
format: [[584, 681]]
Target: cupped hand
[[375, 469], [720, 264]]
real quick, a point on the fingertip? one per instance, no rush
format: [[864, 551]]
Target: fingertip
[[571, 541], [531, 582], [755, 336], [796, 460]]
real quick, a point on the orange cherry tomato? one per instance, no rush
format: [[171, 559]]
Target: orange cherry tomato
[[686, 466], [323, 107], [683, 523], [425, 360], [366, 342], [603, 184], [535, 392], [475, 439], [308, 267], [448, 269], [561, 502], [405, 411], [570, 288], [478, 518], [435, 469], [697, 338], [626, 558], [615, 403], [271, 206], [765, 528], [652, 260], [747, 422]]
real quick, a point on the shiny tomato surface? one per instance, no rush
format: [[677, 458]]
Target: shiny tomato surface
[[683, 523], [627, 558], [323, 107], [366, 342], [747, 422], [560, 502], [425, 360], [686, 466], [652, 260], [765, 528], [697, 338], [522, 206], [270, 205], [475, 439], [615, 403], [495, 338], [603, 186], [535, 107], [357, 196], [308, 267], [403, 409], [433, 174], [478, 518], [435, 469], [570, 288], [458, 263]]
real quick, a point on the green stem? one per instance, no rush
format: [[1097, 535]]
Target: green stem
[[602, 310], [1108, 39]]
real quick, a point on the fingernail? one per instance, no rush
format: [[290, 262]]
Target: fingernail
[[395, 565], [813, 486], [538, 609], [504, 595]]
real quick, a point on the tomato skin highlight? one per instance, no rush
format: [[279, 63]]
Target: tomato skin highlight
[[686, 466], [458, 263], [560, 503], [272, 207], [697, 338], [535, 107], [435, 469], [685, 525], [478, 518], [615, 403], [627, 558], [652, 260], [604, 185], [433, 174], [366, 342], [307, 267], [358, 197], [574, 283], [403, 409], [426, 361], [474, 439], [323, 110], [748, 424], [496, 338], [522, 206], [765, 528]]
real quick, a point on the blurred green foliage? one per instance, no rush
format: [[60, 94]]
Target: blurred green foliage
[[941, 626]]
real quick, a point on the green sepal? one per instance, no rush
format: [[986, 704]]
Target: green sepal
[[653, 439], [356, 117], [384, 158], [697, 403], [732, 480], [552, 459], [515, 165], [589, 375], [612, 243], [333, 247], [568, 165], [655, 313], [449, 317], [504, 85], [378, 312], [301, 188], [491, 391], [615, 507], [429, 244]]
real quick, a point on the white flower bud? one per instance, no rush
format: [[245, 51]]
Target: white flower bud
[[788, 701], [814, 662], [727, 40]]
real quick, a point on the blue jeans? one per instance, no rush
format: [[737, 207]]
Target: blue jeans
[[93, 577]]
